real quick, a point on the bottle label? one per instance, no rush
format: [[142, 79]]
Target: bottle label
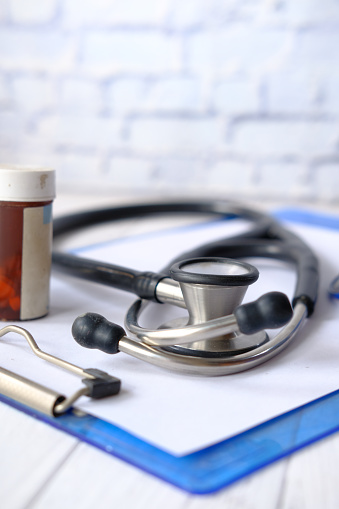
[[36, 261]]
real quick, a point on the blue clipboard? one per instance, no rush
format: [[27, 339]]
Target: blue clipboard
[[221, 464], [214, 467]]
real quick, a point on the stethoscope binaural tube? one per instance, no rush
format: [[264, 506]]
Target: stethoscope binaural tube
[[217, 366], [83, 332]]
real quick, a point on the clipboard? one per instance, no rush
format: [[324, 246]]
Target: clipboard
[[215, 467]]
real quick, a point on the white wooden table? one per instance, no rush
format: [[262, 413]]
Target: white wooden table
[[41, 467]]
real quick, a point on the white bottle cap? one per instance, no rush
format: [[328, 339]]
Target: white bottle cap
[[26, 183]]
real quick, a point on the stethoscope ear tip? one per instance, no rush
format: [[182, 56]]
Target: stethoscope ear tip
[[271, 311], [92, 330]]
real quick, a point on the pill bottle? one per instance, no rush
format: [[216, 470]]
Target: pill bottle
[[26, 196]]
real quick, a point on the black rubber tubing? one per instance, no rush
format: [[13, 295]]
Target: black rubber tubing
[[268, 239]]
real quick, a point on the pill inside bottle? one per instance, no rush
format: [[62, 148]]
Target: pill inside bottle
[[26, 196]]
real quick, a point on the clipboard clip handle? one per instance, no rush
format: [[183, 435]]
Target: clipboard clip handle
[[97, 384]]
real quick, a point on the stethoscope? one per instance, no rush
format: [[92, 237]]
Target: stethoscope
[[221, 335]]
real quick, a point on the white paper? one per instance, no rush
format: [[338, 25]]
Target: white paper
[[182, 413]]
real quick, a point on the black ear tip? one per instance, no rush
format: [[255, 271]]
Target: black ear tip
[[83, 328], [92, 330], [271, 311], [280, 307]]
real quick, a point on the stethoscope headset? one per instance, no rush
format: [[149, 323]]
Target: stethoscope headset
[[221, 335]]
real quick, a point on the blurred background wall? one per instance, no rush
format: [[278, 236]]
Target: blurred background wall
[[234, 97]]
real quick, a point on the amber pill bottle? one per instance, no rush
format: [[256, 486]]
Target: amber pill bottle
[[26, 196]]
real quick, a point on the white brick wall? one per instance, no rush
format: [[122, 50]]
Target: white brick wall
[[28, 13], [228, 97], [111, 13], [281, 138], [32, 95]]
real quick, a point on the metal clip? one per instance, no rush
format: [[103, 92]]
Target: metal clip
[[97, 384]]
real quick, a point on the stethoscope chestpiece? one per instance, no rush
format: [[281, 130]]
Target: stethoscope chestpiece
[[212, 287]]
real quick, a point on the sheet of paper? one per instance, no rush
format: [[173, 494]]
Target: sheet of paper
[[182, 413]]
